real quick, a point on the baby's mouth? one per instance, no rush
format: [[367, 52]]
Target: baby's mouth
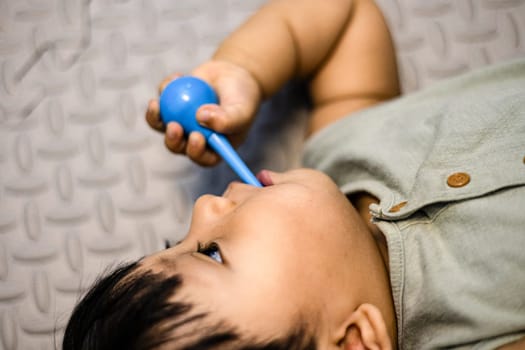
[[264, 177]]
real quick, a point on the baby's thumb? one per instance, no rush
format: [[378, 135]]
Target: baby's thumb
[[223, 119]]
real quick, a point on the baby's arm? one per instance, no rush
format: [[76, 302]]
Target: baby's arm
[[344, 46], [359, 72]]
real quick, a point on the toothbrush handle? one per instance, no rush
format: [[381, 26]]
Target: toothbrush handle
[[220, 144]]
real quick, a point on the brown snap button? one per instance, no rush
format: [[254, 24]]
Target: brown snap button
[[458, 179], [397, 207]]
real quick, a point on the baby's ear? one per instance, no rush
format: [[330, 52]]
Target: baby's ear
[[365, 329]]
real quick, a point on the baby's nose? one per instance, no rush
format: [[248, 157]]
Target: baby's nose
[[212, 206]]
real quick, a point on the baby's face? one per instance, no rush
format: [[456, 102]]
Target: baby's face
[[268, 254]]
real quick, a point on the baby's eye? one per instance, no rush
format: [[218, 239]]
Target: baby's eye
[[211, 250]]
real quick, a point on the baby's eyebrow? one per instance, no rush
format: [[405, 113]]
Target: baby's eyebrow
[[169, 244], [166, 262]]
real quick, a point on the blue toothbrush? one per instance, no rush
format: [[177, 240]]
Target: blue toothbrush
[[179, 103]]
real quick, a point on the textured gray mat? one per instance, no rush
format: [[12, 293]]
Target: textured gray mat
[[84, 183]]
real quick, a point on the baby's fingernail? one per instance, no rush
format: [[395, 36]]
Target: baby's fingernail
[[149, 108], [205, 115], [170, 133], [193, 140]]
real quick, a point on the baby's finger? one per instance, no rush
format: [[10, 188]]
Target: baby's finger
[[153, 116], [216, 117], [168, 80], [174, 138], [198, 152]]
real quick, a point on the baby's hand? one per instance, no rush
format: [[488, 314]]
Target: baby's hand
[[239, 96]]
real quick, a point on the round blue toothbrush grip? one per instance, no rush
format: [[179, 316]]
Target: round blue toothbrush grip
[[181, 99]]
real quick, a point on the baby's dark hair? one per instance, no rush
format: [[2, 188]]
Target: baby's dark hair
[[134, 309]]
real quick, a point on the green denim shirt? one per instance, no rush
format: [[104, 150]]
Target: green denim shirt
[[448, 166]]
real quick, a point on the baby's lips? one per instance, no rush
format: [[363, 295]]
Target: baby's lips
[[265, 178]]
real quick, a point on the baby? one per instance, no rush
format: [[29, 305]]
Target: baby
[[408, 235]]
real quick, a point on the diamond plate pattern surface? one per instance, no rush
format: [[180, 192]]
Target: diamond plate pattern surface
[[437, 39], [85, 184]]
